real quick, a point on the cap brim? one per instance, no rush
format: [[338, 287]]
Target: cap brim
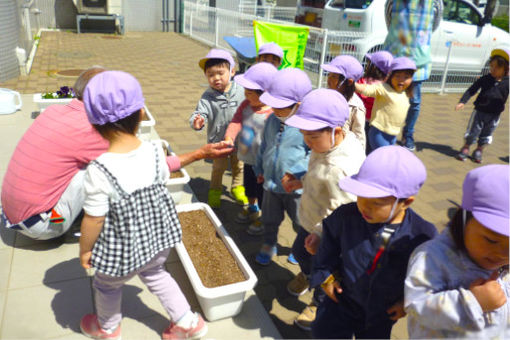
[[368, 56], [202, 62], [330, 68], [501, 53], [304, 124], [498, 224], [353, 186], [247, 84], [274, 102]]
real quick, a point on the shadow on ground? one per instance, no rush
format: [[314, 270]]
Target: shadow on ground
[[446, 150]]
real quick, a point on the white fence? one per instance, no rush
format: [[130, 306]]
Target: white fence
[[209, 25]]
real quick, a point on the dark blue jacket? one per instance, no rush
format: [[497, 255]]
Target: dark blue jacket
[[348, 247]]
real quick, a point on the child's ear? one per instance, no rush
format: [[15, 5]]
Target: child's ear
[[408, 201], [350, 82], [233, 72], [338, 130], [142, 113]]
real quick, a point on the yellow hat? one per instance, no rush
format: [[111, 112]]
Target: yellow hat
[[501, 52]]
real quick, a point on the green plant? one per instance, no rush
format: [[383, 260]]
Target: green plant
[[64, 92], [501, 21]]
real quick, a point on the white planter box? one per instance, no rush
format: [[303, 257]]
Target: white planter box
[[144, 131], [44, 103], [224, 301], [176, 185]]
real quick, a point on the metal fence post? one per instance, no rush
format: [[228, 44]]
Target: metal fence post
[[216, 28], [191, 23], [445, 72], [323, 56], [26, 14]]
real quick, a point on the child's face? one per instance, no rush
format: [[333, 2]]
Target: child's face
[[252, 97], [218, 77], [333, 80], [401, 80], [378, 210], [319, 141], [495, 70], [485, 247], [269, 58]]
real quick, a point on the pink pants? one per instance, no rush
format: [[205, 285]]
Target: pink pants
[[108, 291]]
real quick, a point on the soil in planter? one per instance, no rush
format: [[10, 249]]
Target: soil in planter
[[212, 260], [177, 174]]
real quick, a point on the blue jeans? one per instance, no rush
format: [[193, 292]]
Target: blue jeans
[[274, 206], [414, 111], [377, 138]]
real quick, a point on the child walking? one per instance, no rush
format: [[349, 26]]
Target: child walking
[[362, 258], [282, 155], [216, 109], [336, 153], [270, 53], [344, 71], [391, 103], [249, 120], [458, 285], [130, 222], [488, 105]]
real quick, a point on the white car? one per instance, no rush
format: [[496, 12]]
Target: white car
[[462, 24]]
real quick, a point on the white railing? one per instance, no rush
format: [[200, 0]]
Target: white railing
[[29, 24]]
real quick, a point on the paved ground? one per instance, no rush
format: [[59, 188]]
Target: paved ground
[[166, 65]]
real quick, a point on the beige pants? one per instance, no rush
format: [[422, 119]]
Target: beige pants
[[220, 165]]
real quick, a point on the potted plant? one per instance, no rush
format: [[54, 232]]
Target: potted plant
[[62, 96]]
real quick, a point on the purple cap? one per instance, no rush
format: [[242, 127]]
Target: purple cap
[[387, 171], [216, 53], [502, 52], [485, 194], [381, 59], [319, 109], [402, 63], [111, 96], [288, 87], [258, 76], [346, 65], [271, 48]]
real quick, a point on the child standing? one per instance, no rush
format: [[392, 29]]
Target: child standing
[[216, 109], [458, 284], [488, 105], [130, 222], [270, 53], [282, 154], [391, 103], [249, 120], [344, 71], [336, 153], [362, 259]]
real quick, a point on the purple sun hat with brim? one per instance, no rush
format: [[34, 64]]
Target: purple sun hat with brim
[[258, 77], [216, 53], [346, 65], [485, 193], [381, 59], [288, 87], [387, 171], [111, 96], [402, 63], [271, 48], [319, 109]]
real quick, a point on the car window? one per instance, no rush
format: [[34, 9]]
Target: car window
[[357, 4], [458, 11]]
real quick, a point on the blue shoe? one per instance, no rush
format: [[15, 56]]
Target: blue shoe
[[265, 254], [409, 144], [291, 259]]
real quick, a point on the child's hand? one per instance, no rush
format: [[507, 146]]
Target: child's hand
[[260, 179], [331, 288], [396, 311], [291, 183], [312, 242], [85, 259], [488, 293], [459, 106], [198, 122]]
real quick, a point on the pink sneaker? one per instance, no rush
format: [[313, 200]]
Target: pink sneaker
[[174, 332], [90, 327]]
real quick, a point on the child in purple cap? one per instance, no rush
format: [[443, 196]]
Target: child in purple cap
[[270, 53], [336, 153], [344, 71], [249, 120], [391, 102], [488, 105], [282, 156], [458, 285], [216, 109], [130, 223], [362, 258]]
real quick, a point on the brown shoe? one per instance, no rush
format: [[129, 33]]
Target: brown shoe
[[307, 316], [298, 285]]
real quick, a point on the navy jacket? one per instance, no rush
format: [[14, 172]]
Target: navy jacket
[[492, 97], [348, 247]]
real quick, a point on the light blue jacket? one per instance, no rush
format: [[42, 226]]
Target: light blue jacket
[[281, 152]]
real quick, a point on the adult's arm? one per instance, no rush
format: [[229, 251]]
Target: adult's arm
[[212, 150]]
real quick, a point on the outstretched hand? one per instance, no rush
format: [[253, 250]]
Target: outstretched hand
[[198, 122], [217, 150], [459, 106]]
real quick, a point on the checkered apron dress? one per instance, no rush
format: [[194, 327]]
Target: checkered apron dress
[[136, 228]]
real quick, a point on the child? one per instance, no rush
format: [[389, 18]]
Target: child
[[344, 71], [249, 120], [488, 105], [216, 108], [391, 103], [362, 259], [130, 222], [282, 153], [270, 53], [336, 153], [458, 285]]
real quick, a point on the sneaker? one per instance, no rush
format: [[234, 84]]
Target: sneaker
[[265, 254], [477, 156], [307, 316], [256, 228], [247, 215], [408, 143], [214, 198], [463, 154], [197, 330], [90, 327], [291, 259], [239, 195], [298, 285]]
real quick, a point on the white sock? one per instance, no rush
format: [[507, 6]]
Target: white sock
[[188, 320]]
